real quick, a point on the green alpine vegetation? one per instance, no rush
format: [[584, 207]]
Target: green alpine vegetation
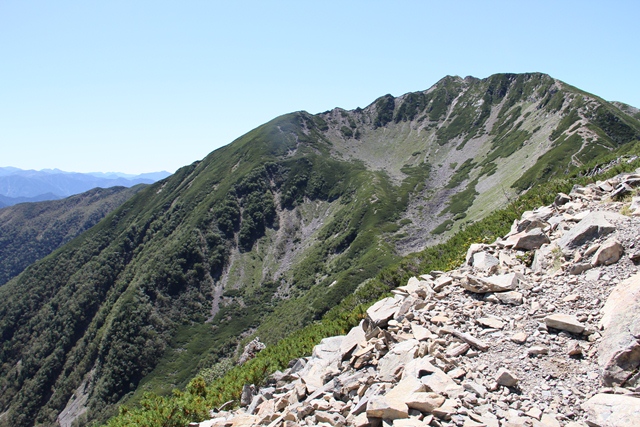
[[287, 225], [31, 231], [202, 393]]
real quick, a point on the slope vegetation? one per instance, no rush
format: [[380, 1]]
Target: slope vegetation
[[31, 231]]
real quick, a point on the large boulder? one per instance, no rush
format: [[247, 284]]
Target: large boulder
[[326, 358], [593, 226], [619, 351], [528, 240], [484, 261], [398, 357], [612, 410], [384, 310]]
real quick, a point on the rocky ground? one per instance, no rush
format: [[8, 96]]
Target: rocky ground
[[539, 329]]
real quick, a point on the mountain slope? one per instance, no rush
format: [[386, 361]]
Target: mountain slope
[[266, 234], [30, 231]]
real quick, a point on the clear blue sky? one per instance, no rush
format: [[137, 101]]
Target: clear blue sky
[[140, 86]]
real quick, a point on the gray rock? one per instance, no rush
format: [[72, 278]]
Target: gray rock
[[383, 407], [332, 418], [434, 379], [425, 401], [475, 388], [511, 297], [484, 261], [593, 226], [565, 322], [506, 378], [491, 322], [579, 268], [619, 350], [612, 410], [382, 311], [355, 337], [473, 248], [257, 401], [608, 253], [529, 240], [247, 395], [561, 199], [326, 358], [499, 283], [393, 362]]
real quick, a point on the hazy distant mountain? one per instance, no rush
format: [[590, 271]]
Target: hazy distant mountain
[[17, 185], [10, 201]]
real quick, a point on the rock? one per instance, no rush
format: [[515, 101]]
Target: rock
[[332, 418], [612, 410], [564, 322], [448, 408], [469, 339], [529, 240], [475, 388], [484, 261], [511, 297], [395, 360], [491, 322], [561, 199], [251, 350], [608, 253], [433, 378], [547, 420], [382, 311], [425, 401], [591, 227], [534, 413], [575, 350], [619, 350], [537, 350], [519, 337], [326, 357], [457, 350], [578, 268], [247, 395], [441, 282], [383, 407], [473, 249], [499, 283], [420, 332], [506, 378], [355, 337]]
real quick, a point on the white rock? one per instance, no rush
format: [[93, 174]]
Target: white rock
[[506, 378], [565, 322]]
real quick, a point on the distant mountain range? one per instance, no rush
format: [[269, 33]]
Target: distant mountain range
[[18, 185]]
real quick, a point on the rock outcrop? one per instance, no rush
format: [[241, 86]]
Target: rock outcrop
[[495, 343]]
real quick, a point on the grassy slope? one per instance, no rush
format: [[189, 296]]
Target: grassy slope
[[193, 403]]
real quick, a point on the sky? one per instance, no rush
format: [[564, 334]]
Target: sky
[[142, 86]]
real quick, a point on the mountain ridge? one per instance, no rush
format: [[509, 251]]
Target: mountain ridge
[[31, 231], [276, 228]]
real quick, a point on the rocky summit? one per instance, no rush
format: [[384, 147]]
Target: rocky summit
[[538, 329]]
